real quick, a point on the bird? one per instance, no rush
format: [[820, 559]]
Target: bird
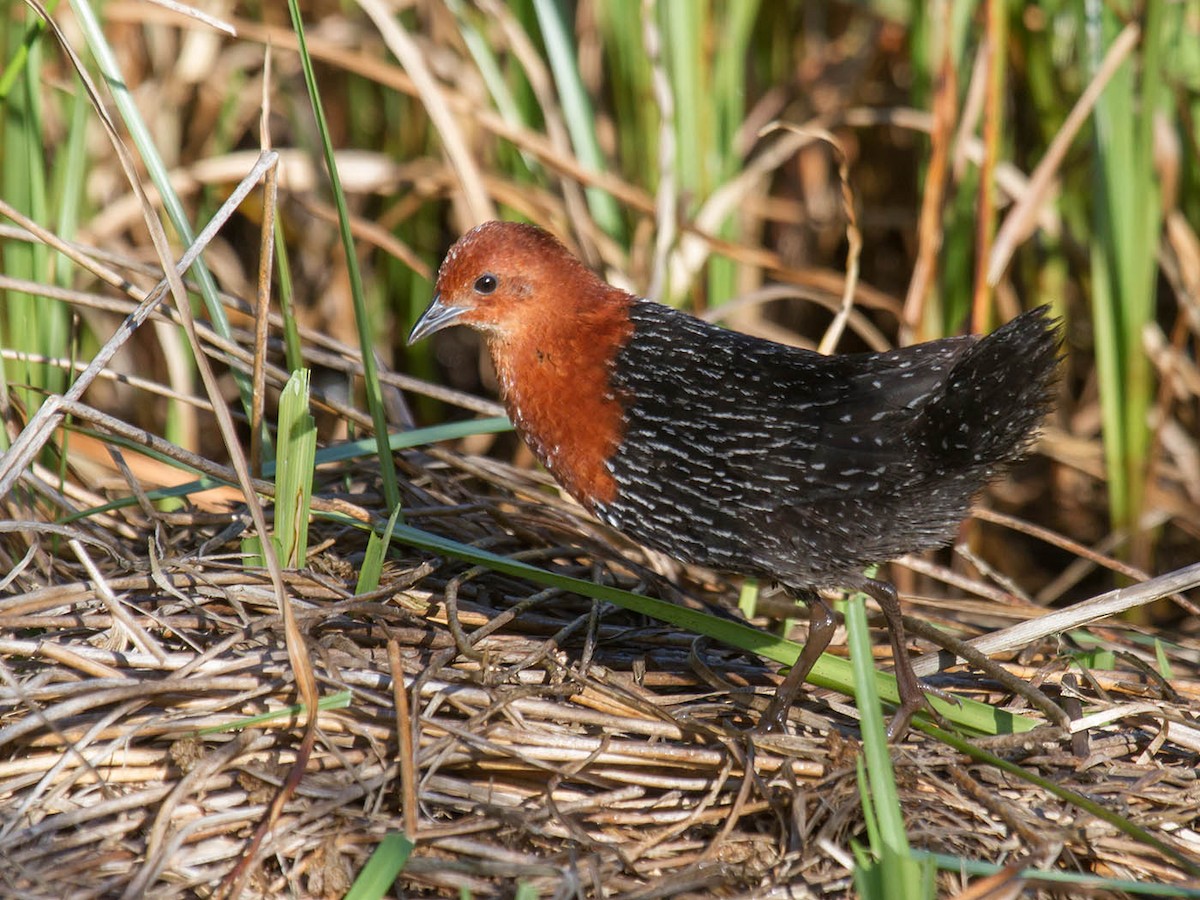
[[743, 455]]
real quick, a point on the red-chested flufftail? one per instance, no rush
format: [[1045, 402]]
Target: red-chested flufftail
[[740, 454]]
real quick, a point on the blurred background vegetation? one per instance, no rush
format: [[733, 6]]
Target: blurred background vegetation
[[1061, 169]]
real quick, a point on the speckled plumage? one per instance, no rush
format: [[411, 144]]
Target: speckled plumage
[[752, 457], [737, 453]]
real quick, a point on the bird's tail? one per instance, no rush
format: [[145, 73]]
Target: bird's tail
[[996, 395]]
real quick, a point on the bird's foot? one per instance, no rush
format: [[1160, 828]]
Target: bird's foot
[[900, 722], [930, 691], [774, 719], [914, 702], [820, 630], [912, 690]]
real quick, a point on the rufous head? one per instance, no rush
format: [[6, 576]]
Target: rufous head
[[499, 277]]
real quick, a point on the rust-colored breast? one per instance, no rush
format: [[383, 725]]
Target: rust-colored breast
[[556, 378]]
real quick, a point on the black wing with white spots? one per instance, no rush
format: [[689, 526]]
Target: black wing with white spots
[[753, 457]]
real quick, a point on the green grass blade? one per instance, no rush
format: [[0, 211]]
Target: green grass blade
[[897, 873], [1073, 797], [252, 553], [874, 734], [297, 449], [829, 672], [140, 134], [19, 61], [728, 100], [1164, 664], [629, 84], [31, 323], [748, 597], [362, 318], [485, 60], [292, 348], [72, 176], [1082, 880], [372, 565], [402, 440], [868, 876], [351, 450], [689, 75], [340, 700], [384, 866], [1127, 221], [577, 111]]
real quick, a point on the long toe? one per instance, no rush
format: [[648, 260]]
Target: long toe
[[898, 727], [913, 703], [821, 626], [775, 718]]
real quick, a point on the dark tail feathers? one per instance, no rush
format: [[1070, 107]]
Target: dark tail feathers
[[996, 395]]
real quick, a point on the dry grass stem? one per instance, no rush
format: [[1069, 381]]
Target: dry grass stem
[[527, 735]]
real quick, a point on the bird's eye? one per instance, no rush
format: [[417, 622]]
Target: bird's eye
[[485, 284]]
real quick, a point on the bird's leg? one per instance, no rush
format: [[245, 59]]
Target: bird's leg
[[821, 626], [912, 697]]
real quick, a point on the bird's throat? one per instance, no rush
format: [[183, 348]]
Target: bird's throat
[[549, 384]]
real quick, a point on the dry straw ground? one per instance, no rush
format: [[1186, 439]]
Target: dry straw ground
[[579, 749]]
